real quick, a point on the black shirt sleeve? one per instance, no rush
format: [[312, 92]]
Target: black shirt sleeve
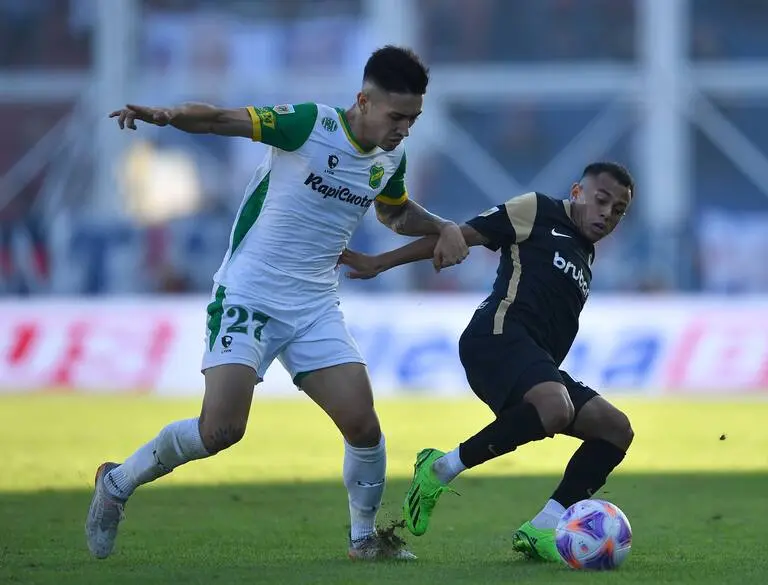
[[509, 223]]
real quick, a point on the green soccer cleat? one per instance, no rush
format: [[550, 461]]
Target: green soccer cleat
[[536, 544], [424, 492]]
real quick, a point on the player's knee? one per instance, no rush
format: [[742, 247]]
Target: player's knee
[[362, 431], [620, 430], [218, 435], [556, 413], [560, 417], [554, 406]]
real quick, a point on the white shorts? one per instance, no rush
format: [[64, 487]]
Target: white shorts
[[239, 331]]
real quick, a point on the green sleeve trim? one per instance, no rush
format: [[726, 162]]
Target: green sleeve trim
[[286, 127], [395, 187]]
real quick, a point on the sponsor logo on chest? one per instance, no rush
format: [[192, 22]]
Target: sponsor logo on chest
[[568, 268], [338, 192]]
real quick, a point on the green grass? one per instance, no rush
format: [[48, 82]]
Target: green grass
[[273, 509]]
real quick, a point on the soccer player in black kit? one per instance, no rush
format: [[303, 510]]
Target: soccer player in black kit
[[518, 337]]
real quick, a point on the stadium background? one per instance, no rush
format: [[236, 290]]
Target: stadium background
[[102, 231], [108, 241]]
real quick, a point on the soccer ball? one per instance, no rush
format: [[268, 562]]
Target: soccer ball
[[593, 534]]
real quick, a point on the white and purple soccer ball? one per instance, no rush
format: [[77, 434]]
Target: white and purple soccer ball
[[593, 534]]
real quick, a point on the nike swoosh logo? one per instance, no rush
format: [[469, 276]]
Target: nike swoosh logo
[[370, 483], [556, 233]]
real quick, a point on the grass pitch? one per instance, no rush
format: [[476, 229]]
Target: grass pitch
[[273, 509]]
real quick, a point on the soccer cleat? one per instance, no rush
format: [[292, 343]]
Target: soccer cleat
[[535, 543], [104, 514], [424, 492], [376, 547]]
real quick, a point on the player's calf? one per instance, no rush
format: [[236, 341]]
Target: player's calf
[[222, 422], [227, 401], [177, 443], [344, 393], [546, 410], [514, 426], [607, 434], [364, 468]]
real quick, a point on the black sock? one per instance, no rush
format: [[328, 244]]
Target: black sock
[[513, 427], [587, 471]]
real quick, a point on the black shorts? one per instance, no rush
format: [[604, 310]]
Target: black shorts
[[501, 369]]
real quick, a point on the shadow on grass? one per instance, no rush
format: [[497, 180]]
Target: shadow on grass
[[703, 528]]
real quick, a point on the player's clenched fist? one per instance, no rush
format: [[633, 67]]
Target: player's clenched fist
[[126, 117], [451, 248]]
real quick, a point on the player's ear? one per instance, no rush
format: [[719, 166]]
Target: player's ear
[[362, 102], [576, 191]]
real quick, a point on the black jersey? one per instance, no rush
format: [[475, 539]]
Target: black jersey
[[544, 272]]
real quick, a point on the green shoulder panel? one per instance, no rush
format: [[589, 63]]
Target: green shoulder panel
[[286, 126]]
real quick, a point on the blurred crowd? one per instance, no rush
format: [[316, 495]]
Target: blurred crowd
[[180, 252]]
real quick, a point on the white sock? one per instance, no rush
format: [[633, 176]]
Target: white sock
[[175, 445], [365, 469], [448, 466], [549, 515]]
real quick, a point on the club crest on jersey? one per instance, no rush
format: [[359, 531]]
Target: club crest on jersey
[[376, 175], [329, 124], [333, 161], [267, 117], [284, 109]]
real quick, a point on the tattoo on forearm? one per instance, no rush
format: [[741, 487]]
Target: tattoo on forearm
[[413, 220]]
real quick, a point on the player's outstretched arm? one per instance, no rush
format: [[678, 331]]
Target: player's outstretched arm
[[365, 266], [192, 117], [411, 219]]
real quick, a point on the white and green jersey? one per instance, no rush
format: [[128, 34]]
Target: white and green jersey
[[303, 204]]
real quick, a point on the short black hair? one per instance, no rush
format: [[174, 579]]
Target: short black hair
[[616, 170], [397, 70]]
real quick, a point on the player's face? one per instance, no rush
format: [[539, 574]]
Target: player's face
[[388, 117], [602, 203]]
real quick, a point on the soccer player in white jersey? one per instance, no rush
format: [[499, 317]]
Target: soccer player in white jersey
[[275, 294]]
